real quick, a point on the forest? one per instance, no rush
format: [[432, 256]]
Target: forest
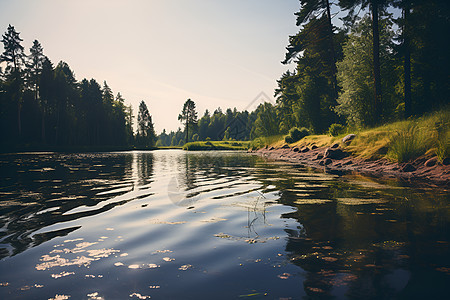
[[388, 61], [379, 67], [43, 106]]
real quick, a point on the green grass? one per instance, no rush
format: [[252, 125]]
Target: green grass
[[262, 142], [398, 141], [216, 145], [408, 142]]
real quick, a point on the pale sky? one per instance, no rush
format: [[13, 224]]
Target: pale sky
[[216, 52]]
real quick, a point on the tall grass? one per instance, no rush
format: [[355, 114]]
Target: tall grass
[[408, 142]]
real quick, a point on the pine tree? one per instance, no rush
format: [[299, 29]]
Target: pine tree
[[188, 116], [146, 132]]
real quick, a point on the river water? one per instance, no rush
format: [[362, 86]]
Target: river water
[[170, 224]]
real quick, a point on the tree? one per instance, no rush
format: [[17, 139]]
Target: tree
[[146, 133], [374, 5], [266, 123], [14, 56], [35, 64], [13, 50], [355, 71], [188, 116]]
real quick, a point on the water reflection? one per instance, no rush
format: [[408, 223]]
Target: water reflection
[[37, 191], [173, 224]]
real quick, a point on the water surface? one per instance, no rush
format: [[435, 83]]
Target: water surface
[[213, 225]]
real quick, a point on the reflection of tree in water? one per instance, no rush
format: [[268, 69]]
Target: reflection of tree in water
[[38, 191], [366, 243], [144, 162], [197, 173]]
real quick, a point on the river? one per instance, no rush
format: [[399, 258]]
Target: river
[[170, 224]]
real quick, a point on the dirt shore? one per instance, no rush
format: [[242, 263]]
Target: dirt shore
[[423, 172]]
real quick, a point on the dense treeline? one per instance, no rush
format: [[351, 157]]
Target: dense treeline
[[231, 125], [43, 105], [378, 68]]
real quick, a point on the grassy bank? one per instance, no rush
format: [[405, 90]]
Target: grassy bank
[[216, 145], [398, 141]]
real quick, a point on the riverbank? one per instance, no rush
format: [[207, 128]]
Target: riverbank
[[216, 145], [423, 171]]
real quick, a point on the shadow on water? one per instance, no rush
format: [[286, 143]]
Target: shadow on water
[[37, 191], [361, 239]]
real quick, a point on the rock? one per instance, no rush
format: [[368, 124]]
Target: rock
[[334, 153], [327, 161], [296, 149], [347, 163], [285, 146], [431, 162], [446, 161], [334, 146], [306, 149], [408, 168], [319, 156], [314, 147], [348, 138]]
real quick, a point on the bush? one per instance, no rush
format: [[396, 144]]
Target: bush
[[208, 138], [296, 134], [208, 143], [336, 129]]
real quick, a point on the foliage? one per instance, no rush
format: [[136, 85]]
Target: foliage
[[189, 116], [307, 96], [336, 129], [355, 70], [146, 136], [296, 134], [43, 106]]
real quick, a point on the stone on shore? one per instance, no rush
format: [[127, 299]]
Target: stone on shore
[[334, 153], [431, 162], [348, 138], [304, 150]]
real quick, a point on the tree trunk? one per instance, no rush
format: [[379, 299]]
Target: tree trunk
[[407, 62], [378, 100], [43, 125], [333, 54]]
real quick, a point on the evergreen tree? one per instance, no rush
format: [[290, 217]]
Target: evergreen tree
[[14, 56], [35, 64], [146, 133], [189, 117]]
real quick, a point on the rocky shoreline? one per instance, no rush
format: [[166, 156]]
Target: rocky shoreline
[[424, 171]]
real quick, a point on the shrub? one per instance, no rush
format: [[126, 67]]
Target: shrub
[[336, 129], [296, 134], [208, 138], [208, 143]]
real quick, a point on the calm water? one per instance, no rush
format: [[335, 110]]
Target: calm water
[[222, 225]]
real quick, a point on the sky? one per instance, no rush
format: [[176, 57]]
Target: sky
[[219, 53]]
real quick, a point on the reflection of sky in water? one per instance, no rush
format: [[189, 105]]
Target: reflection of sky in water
[[171, 225]]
